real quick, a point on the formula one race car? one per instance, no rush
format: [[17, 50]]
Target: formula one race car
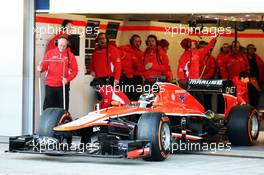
[[146, 128]]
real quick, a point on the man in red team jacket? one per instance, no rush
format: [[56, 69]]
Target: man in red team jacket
[[241, 83], [224, 51], [191, 61], [234, 63], [61, 67], [132, 66], [256, 66], [133, 49], [155, 60], [164, 44], [208, 65], [106, 62]]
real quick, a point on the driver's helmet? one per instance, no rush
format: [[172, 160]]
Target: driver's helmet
[[146, 99]]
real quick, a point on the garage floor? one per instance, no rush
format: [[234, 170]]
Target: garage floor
[[239, 160]]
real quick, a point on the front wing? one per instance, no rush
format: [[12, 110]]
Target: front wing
[[130, 149]]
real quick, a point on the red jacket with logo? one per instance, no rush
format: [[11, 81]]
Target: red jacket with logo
[[51, 44], [220, 64], [136, 56], [127, 64], [210, 67], [106, 62], [241, 90], [55, 62], [192, 60], [160, 62], [233, 64]]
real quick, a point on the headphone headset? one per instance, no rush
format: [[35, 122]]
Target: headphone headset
[[65, 37], [255, 49], [132, 38], [96, 39], [151, 36]]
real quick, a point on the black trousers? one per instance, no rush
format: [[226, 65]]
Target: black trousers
[[54, 97], [253, 95]]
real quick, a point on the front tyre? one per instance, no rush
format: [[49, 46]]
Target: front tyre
[[51, 118], [155, 127]]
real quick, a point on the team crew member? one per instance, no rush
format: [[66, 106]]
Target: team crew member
[[241, 83], [127, 77], [256, 75], [132, 66], [164, 44], [155, 61], [66, 28], [133, 49], [224, 51], [208, 65], [61, 67], [191, 61], [234, 63], [106, 62]]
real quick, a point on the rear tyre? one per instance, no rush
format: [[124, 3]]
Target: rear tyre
[[243, 125], [155, 127]]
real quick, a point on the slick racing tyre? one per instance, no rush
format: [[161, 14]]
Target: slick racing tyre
[[243, 125], [50, 118], [155, 127]]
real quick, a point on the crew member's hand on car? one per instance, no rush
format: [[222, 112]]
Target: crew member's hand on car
[[148, 66]]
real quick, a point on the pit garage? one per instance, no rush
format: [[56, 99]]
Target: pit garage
[[24, 88]]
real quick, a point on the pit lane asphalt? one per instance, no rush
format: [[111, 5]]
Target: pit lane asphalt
[[240, 160]]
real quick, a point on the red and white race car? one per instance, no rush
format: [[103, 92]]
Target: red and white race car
[[145, 128]]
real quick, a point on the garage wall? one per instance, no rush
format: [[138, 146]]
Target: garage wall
[[11, 72]]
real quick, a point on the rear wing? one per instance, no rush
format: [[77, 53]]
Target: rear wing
[[208, 86]]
